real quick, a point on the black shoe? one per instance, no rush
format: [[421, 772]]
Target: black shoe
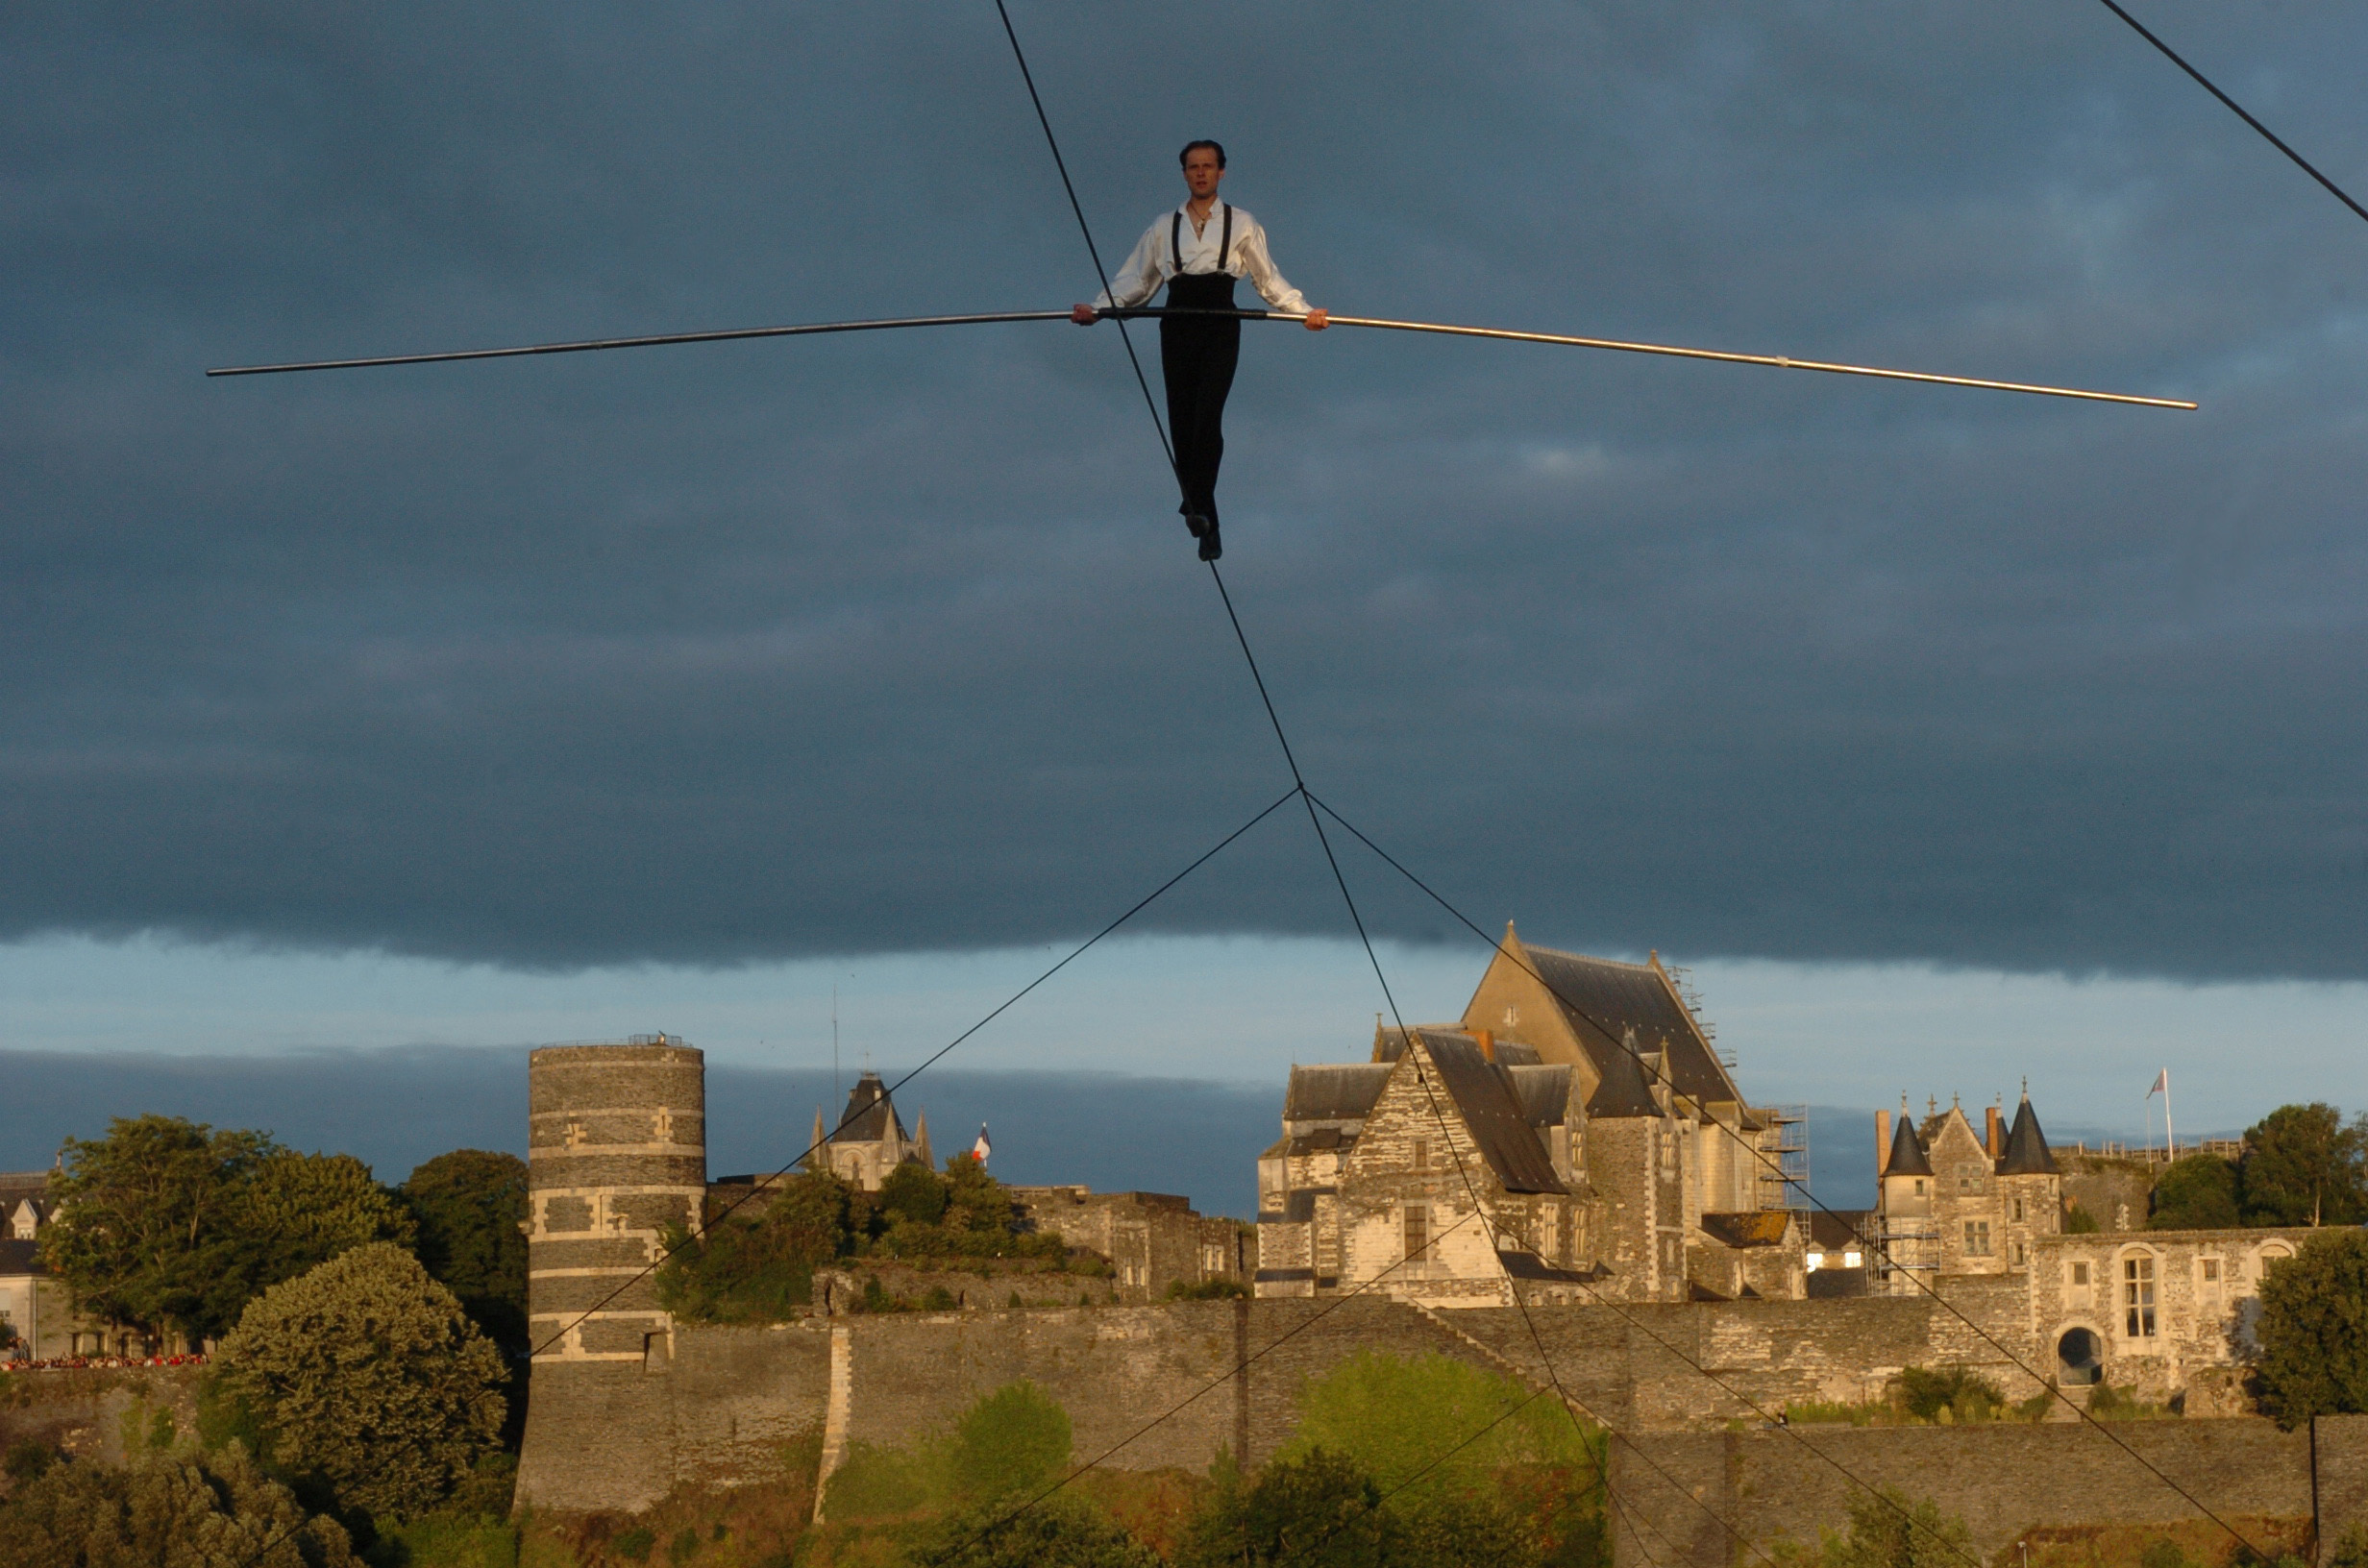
[[1200, 524], [1211, 544]]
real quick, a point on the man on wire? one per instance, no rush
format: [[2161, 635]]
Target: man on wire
[[1198, 251]]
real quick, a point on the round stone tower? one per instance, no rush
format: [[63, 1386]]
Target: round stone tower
[[617, 1153]]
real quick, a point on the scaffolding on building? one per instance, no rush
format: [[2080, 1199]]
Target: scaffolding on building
[[1787, 1184]]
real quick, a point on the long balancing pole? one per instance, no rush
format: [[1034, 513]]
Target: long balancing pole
[[1501, 334]]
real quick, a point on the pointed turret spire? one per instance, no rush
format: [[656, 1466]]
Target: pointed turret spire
[[2027, 1151], [921, 1141], [818, 1157], [1907, 1151]]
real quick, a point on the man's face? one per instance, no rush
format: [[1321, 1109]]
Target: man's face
[[1202, 173]]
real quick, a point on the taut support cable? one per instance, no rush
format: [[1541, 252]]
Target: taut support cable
[[2238, 110]]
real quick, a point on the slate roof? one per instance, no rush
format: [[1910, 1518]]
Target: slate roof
[[1623, 1091], [1545, 1092], [1597, 994], [870, 1113], [1334, 1091], [20, 1258], [2027, 1152], [1750, 1227], [1389, 1043], [1906, 1152], [1483, 1093], [1840, 1228]]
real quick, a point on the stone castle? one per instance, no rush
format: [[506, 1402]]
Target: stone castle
[[1573, 1138]]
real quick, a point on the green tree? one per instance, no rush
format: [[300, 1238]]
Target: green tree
[[1015, 1440], [296, 1211], [2079, 1221], [2303, 1167], [2314, 1329], [166, 1510], [1318, 1511], [759, 1267], [2196, 1193], [147, 1220], [170, 1225], [914, 1192], [469, 1205], [975, 1202], [1397, 1417], [369, 1375], [1889, 1532]]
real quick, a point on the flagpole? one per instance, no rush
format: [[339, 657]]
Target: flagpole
[[2169, 1142]]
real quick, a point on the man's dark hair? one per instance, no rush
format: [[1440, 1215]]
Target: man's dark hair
[[1217, 147]]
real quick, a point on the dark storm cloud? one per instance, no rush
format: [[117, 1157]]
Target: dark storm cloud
[[853, 644]]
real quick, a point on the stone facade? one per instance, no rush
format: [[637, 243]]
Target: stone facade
[[2152, 1310], [869, 1139], [616, 1157], [1418, 1173], [1952, 1201], [39, 1320], [1155, 1240]]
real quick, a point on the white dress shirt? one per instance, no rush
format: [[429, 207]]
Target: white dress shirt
[[1153, 261]]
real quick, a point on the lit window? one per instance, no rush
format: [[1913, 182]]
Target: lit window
[[2137, 1297], [1852, 1258], [1815, 1261]]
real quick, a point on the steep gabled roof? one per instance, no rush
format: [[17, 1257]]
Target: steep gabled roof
[[1543, 1093], [2027, 1152], [1907, 1157], [1623, 1091], [19, 1258], [870, 1113], [1485, 1097], [1334, 1092], [1603, 1000]]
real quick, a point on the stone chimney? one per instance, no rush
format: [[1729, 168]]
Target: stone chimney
[[1488, 1046], [1994, 1138], [1883, 1141]]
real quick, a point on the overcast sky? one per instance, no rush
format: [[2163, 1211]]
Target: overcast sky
[[892, 644]]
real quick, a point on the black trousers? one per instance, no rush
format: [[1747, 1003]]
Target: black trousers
[[1197, 355]]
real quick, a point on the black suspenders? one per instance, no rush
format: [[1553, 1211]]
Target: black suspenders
[[1224, 239]]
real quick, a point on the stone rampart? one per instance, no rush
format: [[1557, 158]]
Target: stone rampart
[[1710, 1500], [723, 1403]]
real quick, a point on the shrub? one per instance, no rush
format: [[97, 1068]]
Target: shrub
[[1318, 1511], [1015, 1440], [369, 1375], [1386, 1414], [1963, 1393], [28, 1460], [1060, 1532], [2165, 1554], [169, 1512], [2314, 1329], [2079, 1221], [1886, 1530], [635, 1545], [2351, 1549], [1208, 1290], [914, 1192]]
